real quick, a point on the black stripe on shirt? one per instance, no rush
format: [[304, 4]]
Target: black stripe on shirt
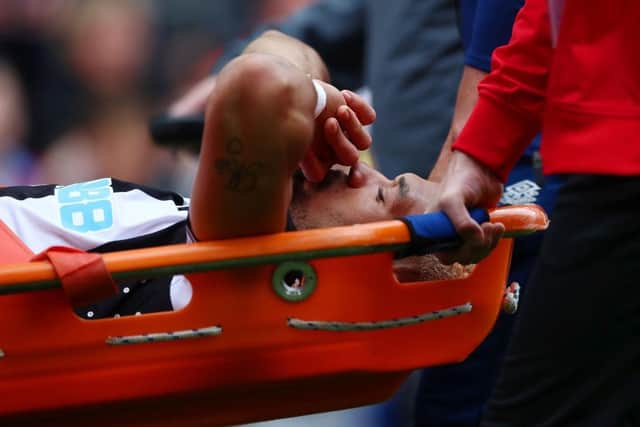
[[39, 191]]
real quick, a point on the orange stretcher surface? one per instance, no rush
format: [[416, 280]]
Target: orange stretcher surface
[[247, 347]]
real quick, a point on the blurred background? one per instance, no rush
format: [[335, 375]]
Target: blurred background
[[79, 80]]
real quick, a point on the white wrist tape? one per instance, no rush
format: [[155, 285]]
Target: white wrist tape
[[321, 98]]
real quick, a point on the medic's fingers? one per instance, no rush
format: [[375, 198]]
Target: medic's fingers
[[365, 112], [465, 226], [344, 151], [475, 249], [352, 126], [471, 233], [491, 236], [471, 252]]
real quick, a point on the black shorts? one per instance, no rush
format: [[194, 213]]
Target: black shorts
[[574, 358]]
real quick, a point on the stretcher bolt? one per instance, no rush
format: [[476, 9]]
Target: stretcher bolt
[[294, 281]]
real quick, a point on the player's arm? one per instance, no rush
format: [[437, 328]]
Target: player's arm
[[299, 54], [260, 124]]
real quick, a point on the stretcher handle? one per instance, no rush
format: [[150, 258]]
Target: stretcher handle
[[178, 132], [385, 236], [434, 232]]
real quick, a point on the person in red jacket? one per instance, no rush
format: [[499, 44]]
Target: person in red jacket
[[572, 70]]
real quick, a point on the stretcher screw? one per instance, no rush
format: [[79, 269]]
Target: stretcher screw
[[294, 281]]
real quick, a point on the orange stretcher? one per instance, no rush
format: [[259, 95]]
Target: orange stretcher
[[278, 325]]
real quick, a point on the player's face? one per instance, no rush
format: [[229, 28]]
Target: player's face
[[333, 202]]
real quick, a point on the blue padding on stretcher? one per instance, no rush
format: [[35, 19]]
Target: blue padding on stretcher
[[434, 232]]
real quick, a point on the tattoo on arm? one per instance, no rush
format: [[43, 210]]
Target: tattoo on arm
[[240, 176]]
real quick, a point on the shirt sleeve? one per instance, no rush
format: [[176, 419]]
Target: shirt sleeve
[[512, 96], [334, 28], [490, 28]]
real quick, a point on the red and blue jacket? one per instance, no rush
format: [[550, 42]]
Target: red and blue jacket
[[584, 93]]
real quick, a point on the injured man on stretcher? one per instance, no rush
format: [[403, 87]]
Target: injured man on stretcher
[[280, 150]]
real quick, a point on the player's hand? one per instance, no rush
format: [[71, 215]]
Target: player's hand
[[467, 183], [340, 134]]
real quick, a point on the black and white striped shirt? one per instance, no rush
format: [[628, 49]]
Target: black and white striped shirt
[[104, 215]]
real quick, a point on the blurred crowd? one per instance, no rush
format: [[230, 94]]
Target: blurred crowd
[[79, 80]]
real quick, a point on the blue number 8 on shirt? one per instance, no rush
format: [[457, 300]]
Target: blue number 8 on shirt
[[86, 206]]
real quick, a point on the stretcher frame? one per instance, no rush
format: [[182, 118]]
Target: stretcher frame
[[240, 351]]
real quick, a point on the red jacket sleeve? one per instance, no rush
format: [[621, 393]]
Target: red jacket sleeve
[[511, 98]]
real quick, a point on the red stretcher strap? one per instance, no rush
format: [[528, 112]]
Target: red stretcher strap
[[84, 276]]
